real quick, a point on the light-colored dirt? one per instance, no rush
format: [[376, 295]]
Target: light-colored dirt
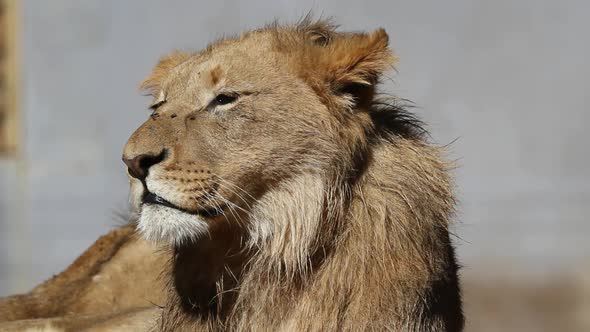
[[557, 303]]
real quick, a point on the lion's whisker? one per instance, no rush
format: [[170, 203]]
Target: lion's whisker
[[235, 186], [233, 192]]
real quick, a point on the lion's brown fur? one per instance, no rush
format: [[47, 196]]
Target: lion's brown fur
[[340, 219]]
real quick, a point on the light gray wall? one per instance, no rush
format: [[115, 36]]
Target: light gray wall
[[505, 80]]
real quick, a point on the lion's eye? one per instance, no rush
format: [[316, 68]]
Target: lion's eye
[[224, 99], [155, 106]]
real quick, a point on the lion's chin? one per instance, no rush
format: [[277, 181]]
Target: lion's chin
[[164, 225]]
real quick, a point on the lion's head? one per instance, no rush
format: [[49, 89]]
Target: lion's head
[[240, 118]]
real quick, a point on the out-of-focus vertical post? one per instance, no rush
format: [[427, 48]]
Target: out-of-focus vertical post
[[12, 139], [8, 79]]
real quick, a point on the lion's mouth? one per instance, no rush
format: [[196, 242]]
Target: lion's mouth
[[151, 198]]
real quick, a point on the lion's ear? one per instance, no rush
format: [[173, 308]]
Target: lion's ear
[[152, 83], [351, 65]]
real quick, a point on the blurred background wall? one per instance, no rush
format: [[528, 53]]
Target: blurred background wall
[[504, 81]]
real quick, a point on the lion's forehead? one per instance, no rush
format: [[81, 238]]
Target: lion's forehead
[[197, 80], [239, 62]]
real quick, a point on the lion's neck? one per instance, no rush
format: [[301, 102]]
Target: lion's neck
[[386, 243]]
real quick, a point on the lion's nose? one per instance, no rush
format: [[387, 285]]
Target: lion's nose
[[139, 165]]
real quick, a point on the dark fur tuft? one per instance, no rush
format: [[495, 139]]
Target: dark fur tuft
[[392, 116]]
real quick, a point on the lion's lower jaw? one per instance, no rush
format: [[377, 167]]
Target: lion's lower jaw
[[166, 226]]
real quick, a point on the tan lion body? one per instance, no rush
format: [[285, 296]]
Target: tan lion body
[[289, 198], [116, 275]]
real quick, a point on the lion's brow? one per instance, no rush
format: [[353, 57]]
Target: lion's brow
[[158, 101]]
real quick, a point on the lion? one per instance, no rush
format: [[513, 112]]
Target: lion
[[285, 194]]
